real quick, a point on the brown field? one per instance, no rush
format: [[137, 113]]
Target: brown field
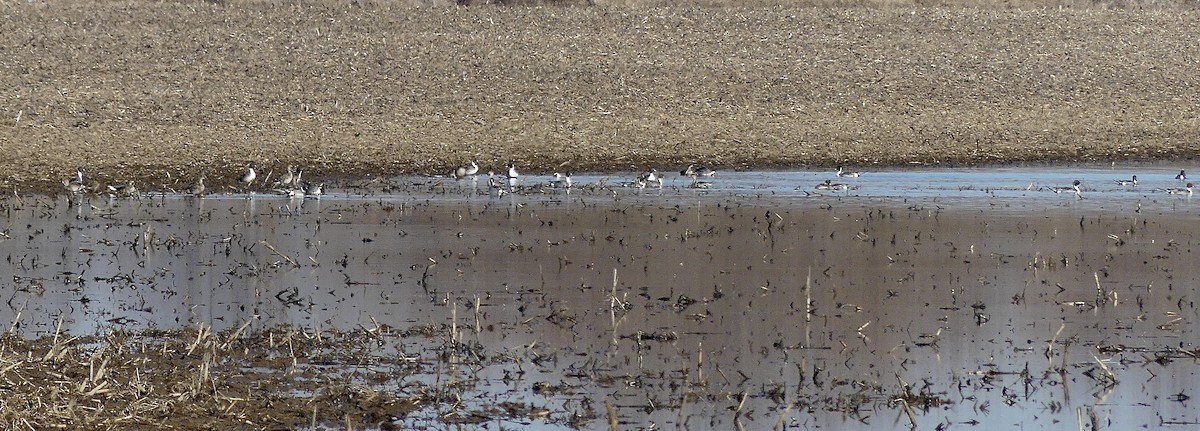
[[138, 90]]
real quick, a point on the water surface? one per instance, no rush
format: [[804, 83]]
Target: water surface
[[758, 302]]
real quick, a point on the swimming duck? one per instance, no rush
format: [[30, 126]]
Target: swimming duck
[[1129, 182], [830, 185], [1073, 188], [1187, 190], [1182, 175], [849, 174]]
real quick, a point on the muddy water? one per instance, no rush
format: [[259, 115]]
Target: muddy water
[[751, 304]]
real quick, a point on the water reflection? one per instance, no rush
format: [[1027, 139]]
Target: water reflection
[[751, 304]]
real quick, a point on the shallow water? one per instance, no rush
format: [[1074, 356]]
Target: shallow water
[[813, 306]]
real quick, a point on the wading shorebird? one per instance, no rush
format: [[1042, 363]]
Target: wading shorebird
[[1073, 188], [695, 171], [198, 188], [830, 185], [1129, 182], [466, 171], [1182, 175], [1186, 191], [849, 174]]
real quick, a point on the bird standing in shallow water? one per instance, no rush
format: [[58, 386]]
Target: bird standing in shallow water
[[466, 171], [513, 176], [650, 176], [198, 188], [72, 186], [75, 185], [561, 180], [127, 191], [315, 191], [288, 179], [248, 178]]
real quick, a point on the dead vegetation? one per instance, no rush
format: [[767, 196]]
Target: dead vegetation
[[160, 92], [200, 379]]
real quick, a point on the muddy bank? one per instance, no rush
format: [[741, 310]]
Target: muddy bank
[[159, 93], [435, 307]]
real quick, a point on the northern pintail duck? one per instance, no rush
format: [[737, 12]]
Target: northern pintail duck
[[849, 174], [561, 180], [1187, 190], [466, 171], [127, 190], [1129, 182], [314, 191], [1182, 176], [513, 176], [198, 188], [497, 183], [247, 178], [75, 185], [650, 176], [830, 185], [695, 171], [288, 179], [1073, 188]]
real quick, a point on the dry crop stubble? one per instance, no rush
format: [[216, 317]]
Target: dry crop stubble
[[133, 89]]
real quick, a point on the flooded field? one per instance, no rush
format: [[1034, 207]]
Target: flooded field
[[934, 299]]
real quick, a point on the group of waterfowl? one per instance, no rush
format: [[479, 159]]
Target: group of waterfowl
[[510, 181], [1076, 186], [841, 173], [292, 185], [289, 184]]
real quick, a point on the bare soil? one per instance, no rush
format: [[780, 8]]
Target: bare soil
[[160, 92]]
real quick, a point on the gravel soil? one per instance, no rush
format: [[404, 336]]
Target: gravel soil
[[161, 92]]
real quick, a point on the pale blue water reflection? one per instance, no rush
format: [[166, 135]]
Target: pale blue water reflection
[[813, 307]]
